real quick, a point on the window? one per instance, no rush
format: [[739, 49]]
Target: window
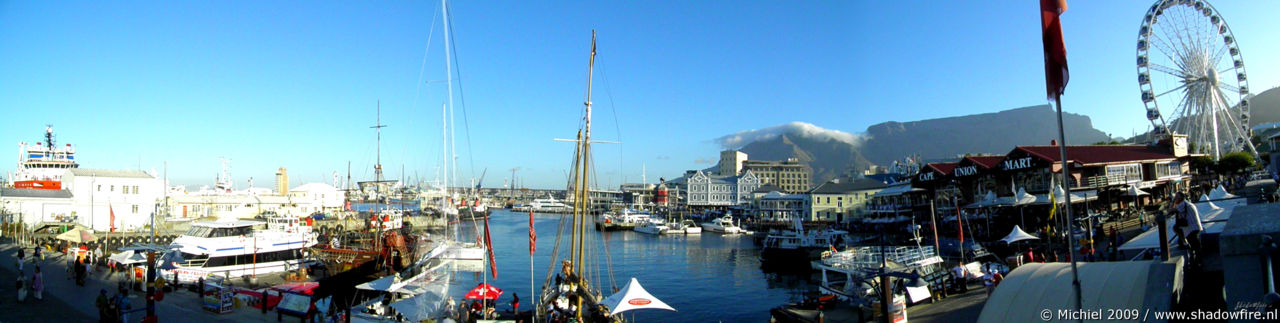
[[99, 187], [135, 189], [113, 188], [135, 209]]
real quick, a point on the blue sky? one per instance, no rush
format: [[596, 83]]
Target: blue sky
[[295, 84]]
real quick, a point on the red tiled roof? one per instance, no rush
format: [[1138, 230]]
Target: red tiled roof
[[1089, 155], [987, 162], [944, 168]]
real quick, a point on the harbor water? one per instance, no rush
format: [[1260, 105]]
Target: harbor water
[[706, 278]]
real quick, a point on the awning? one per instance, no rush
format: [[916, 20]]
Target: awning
[[1031, 289], [1018, 235], [896, 190], [633, 297], [987, 200], [1213, 220]]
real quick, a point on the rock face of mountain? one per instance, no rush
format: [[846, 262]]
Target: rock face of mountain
[[994, 133], [943, 138], [1265, 107], [827, 157]]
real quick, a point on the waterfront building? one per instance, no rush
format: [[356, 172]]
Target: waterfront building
[[318, 197], [731, 162], [131, 194], [282, 181], [707, 190], [897, 200], [842, 199], [778, 206], [30, 206], [638, 195], [791, 175]]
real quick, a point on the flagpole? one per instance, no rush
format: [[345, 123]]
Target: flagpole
[[1066, 197]]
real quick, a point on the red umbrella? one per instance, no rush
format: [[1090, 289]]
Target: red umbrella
[[485, 292]]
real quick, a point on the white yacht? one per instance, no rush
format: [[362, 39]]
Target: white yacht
[[843, 272], [236, 249], [723, 224]]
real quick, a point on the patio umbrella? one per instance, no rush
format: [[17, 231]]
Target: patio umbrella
[[77, 235], [484, 291]]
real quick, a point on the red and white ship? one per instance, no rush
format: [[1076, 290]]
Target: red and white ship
[[41, 165]]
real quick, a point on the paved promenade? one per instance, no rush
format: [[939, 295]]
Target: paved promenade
[[65, 301]]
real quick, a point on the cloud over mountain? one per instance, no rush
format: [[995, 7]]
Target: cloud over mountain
[[793, 129]]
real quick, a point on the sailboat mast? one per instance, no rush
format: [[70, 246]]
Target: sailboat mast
[[586, 158], [377, 168]]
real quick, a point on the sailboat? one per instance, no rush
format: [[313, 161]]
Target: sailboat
[[571, 292]]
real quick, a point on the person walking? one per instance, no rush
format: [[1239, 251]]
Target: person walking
[[515, 303], [1187, 224], [37, 284], [989, 280], [961, 277], [22, 255]]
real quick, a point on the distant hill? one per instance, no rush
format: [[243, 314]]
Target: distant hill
[[831, 153], [995, 133]]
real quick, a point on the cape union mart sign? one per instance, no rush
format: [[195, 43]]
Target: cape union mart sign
[[927, 176], [1020, 163], [966, 171]]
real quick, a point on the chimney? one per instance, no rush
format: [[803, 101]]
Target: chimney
[[1053, 142]]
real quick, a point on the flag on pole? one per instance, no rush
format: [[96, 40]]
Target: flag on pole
[[533, 235], [113, 217], [1053, 209], [1055, 50], [488, 245]]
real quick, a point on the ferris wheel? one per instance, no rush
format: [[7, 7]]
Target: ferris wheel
[[1192, 78]]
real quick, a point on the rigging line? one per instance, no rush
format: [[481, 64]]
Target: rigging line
[[462, 99], [608, 90], [418, 91]]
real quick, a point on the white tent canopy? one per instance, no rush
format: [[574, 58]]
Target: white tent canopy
[[1219, 193], [633, 297], [1018, 235], [1022, 198], [128, 257]]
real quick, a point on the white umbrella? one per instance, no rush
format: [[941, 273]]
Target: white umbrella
[[1018, 235], [77, 235], [633, 297], [1022, 198]]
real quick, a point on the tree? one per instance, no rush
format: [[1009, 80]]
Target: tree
[[1202, 164], [1235, 162]]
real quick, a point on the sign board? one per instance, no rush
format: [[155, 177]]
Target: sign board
[[1018, 163], [294, 304], [965, 171]]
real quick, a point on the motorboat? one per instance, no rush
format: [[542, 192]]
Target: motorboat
[[626, 219], [799, 245], [690, 227], [723, 224]]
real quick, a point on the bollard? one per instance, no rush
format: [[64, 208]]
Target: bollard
[[1163, 226]]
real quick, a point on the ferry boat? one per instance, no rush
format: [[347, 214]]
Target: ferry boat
[[236, 248], [724, 225], [41, 165], [843, 272], [549, 205]]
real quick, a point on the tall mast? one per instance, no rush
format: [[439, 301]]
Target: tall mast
[[585, 143], [448, 67], [377, 125]]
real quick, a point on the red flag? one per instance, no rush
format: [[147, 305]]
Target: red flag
[[488, 244], [533, 235], [1055, 50], [113, 217]]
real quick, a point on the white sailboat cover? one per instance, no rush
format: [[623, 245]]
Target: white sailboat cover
[[1018, 235], [633, 297]]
